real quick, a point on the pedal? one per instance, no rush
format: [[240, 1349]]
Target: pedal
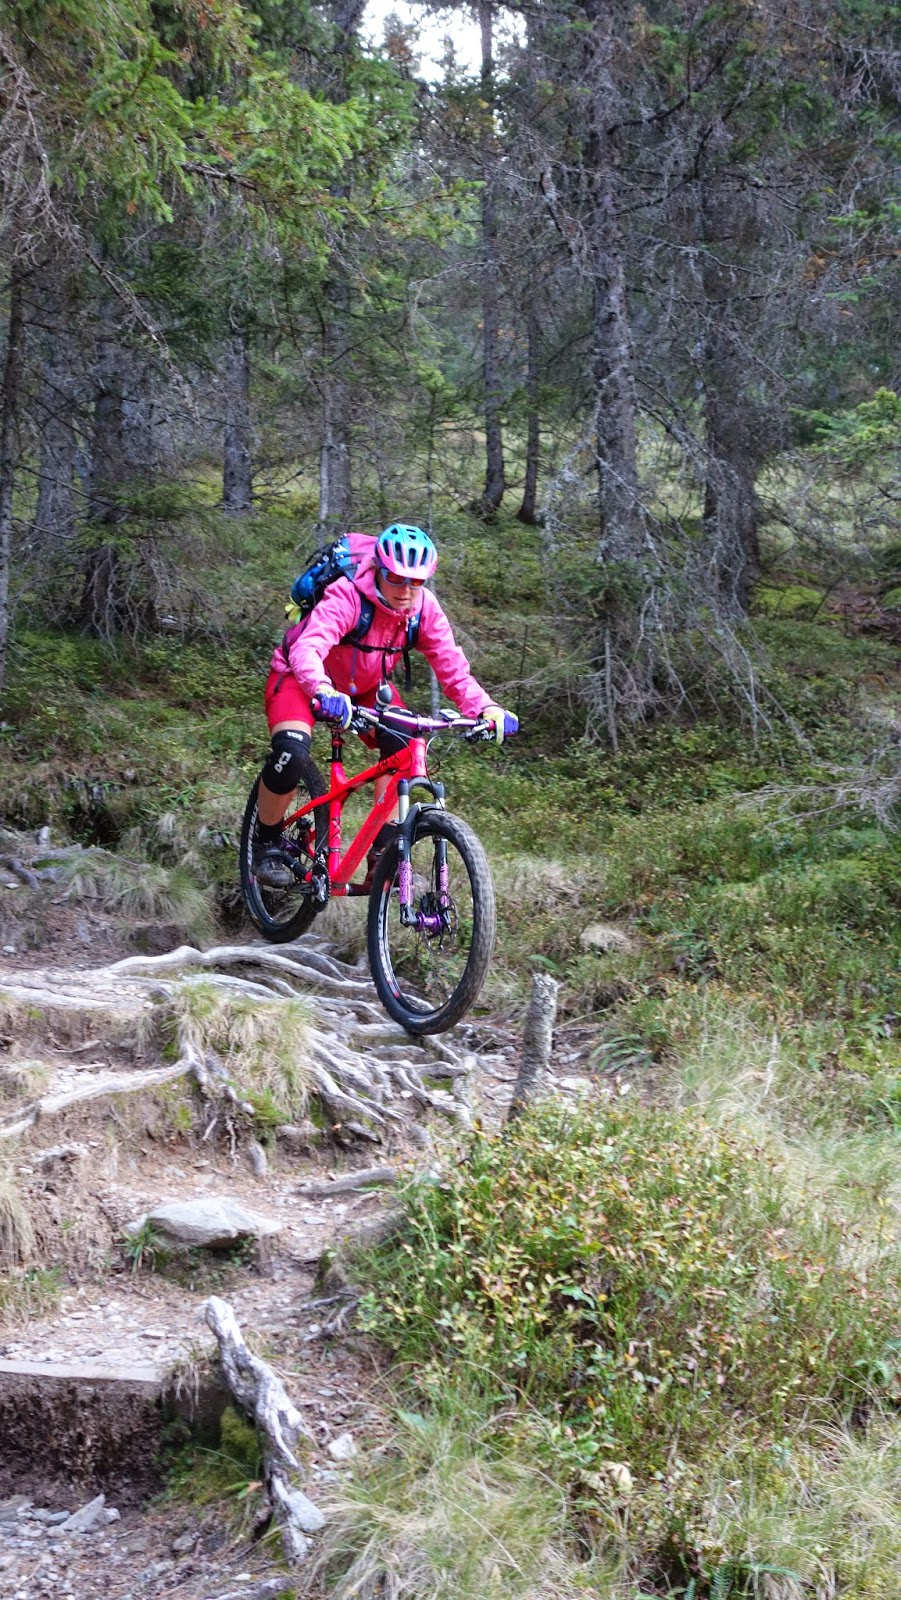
[[320, 888]]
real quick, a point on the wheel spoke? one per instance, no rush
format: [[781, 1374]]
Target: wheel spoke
[[282, 914], [429, 963]]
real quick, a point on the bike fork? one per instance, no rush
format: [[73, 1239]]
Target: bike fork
[[405, 865], [424, 921], [430, 922]]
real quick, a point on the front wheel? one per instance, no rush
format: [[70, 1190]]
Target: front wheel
[[284, 914], [428, 972]]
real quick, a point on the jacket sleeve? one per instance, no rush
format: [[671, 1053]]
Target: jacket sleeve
[[442, 652], [336, 615]]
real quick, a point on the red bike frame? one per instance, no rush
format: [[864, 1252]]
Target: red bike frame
[[406, 767]]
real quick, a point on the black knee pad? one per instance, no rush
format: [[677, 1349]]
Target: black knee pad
[[281, 773]]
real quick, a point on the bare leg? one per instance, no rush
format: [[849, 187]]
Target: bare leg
[[380, 786]]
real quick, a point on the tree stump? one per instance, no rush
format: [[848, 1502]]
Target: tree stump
[[537, 1035]]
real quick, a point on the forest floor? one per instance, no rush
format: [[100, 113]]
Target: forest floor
[[720, 907], [106, 1313]]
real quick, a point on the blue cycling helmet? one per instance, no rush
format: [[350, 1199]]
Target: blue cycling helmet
[[406, 551]]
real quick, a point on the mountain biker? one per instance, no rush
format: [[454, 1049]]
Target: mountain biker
[[322, 662]]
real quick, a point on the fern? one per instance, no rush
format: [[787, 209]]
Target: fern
[[721, 1586]]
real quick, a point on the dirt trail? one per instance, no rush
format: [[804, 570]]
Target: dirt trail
[[81, 1135]]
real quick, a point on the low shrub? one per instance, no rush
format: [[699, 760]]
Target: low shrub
[[640, 1281]]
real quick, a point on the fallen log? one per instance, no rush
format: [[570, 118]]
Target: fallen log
[[364, 1178]]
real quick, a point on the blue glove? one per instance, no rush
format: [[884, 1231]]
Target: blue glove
[[334, 707], [503, 722]]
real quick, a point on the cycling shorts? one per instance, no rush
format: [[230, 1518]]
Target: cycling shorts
[[286, 701]]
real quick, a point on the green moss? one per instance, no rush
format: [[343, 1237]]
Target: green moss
[[239, 1441], [795, 601]]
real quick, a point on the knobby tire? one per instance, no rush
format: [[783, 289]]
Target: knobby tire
[[427, 984]]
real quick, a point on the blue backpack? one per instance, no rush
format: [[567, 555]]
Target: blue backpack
[[340, 559]]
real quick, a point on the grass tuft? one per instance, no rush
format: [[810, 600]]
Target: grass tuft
[[262, 1044], [16, 1228], [444, 1514], [139, 890]]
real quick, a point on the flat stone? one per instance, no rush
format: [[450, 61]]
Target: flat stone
[[603, 936], [212, 1223], [342, 1448], [87, 1371], [94, 1422]]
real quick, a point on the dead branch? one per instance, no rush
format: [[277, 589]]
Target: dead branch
[[279, 1424], [365, 1178]]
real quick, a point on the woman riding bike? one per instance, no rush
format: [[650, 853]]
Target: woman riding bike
[[319, 660]]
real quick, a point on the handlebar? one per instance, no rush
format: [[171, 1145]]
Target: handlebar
[[402, 721]]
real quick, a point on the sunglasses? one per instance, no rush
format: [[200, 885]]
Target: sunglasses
[[401, 583]]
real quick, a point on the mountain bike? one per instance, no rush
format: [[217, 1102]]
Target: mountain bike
[[432, 915]]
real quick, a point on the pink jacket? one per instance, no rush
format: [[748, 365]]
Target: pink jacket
[[316, 654]]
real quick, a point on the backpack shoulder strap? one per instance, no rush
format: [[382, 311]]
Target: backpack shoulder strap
[[364, 621]]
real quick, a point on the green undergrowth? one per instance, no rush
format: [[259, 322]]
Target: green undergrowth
[[27, 1292], [801, 911], [635, 1296]]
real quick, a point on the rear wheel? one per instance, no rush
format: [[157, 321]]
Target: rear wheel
[[429, 974], [283, 914]]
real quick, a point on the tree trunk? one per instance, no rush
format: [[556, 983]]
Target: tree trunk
[[9, 419], [103, 602], [611, 371], [527, 512], [56, 509], [335, 454], [731, 509], [612, 374], [495, 481], [237, 466]]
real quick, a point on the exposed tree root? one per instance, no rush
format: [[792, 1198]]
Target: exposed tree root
[[368, 1075]]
